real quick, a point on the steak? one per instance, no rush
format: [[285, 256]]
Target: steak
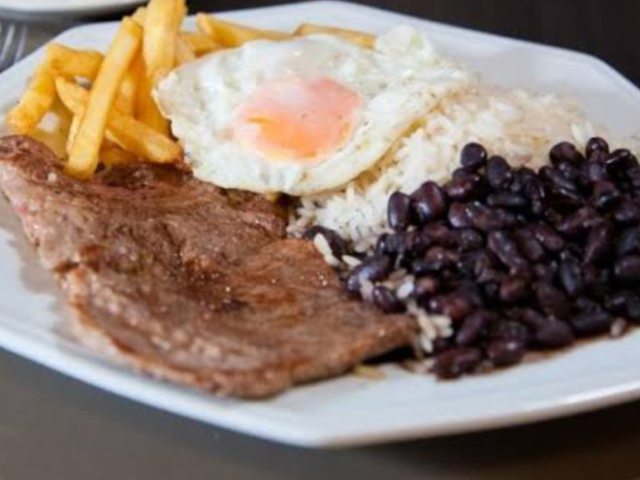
[[188, 282]]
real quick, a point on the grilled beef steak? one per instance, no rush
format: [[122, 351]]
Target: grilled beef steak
[[188, 282]]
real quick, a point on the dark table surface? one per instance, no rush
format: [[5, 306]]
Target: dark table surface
[[52, 427]]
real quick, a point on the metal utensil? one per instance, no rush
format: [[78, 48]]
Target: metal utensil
[[13, 41]]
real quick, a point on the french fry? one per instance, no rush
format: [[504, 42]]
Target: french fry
[[199, 43], [160, 32], [73, 129], [34, 103], [147, 110], [361, 38], [229, 34], [124, 130], [183, 52], [112, 155], [70, 62], [84, 155], [53, 132], [140, 15], [182, 13], [126, 99]]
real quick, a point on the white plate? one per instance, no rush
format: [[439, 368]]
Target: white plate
[[351, 410], [74, 8]]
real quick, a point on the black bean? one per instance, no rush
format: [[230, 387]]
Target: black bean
[[597, 280], [514, 289], [448, 258], [456, 362], [505, 248], [571, 171], [548, 237], [499, 173], [473, 156], [507, 200], [632, 311], [529, 245], [440, 235], [373, 269], [552, 300], [442, 344], [486, 219], [421, 267], [596, 144], [546, 272], [464, 188], [564, 200], [509, 330], [426, 287], [386, 300], [578, 222], [336, 242], [591, 323], [571, 277], [586, 304], [595, 171], [548, 332], [412, 243], [627, 269], [503, 353], [557, 180], [429, 202], [599, 242], [618, 162], [387, 244], [628, 242], [618, 302], [565, 151], [468, 239], [472, 327], [459, 216], [399, 211], [627, 213], [554, 334], [605, 196], [456, 305], [633, 176]]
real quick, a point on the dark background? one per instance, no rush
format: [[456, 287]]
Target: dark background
[[52, 427], [605, 28]]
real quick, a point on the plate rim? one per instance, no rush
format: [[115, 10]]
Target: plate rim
[[299, 432]]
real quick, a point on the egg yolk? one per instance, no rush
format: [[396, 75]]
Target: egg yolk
[[297, 118]]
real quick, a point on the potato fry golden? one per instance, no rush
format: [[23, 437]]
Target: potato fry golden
[[84, 155], [131, 134], [147, 110], [140, 15], [70, 62], [34, 103], [126, 99], [361, 38], [112, 155], [199, 43], [160, 32], [184, 54], [73, 129], [229, 34]]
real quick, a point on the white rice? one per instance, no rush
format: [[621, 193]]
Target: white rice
[[515, 124]]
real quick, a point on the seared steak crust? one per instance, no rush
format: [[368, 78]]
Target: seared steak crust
[[188, 282]]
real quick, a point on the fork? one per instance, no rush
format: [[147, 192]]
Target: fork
[[13, 42]]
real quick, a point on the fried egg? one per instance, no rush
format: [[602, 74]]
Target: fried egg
[[305, 115]]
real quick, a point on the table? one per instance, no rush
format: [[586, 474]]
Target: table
[[52, 427]]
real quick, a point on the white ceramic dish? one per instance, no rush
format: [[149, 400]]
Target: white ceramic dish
[[350, 410], [75, 8]]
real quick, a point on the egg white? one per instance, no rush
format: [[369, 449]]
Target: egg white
[[400, 80]]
